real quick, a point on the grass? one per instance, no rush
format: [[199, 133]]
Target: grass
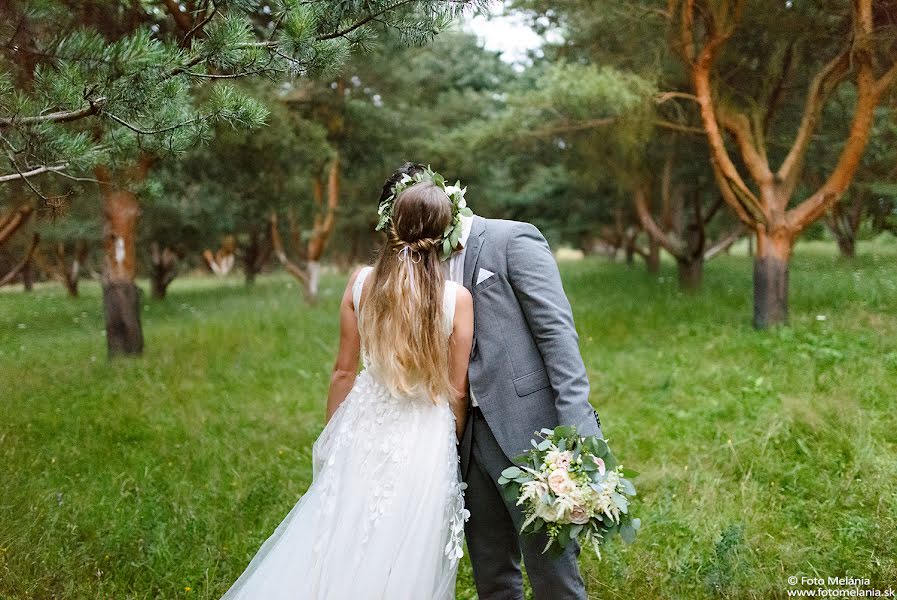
[[763, 455]]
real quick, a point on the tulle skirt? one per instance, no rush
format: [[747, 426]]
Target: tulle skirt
[[384, 515]]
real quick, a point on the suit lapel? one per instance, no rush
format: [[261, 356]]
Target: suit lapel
[[472, 252]]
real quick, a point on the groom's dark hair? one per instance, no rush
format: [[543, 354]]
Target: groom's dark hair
[[410, 169]]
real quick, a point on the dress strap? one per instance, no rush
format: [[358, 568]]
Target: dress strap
[[449, 296], [359, 285]]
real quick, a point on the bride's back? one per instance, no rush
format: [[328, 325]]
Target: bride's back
[[404, 307]]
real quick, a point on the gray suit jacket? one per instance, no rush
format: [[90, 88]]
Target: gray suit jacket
[[526, 371]]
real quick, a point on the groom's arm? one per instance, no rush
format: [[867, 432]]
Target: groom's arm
[[534, 276]]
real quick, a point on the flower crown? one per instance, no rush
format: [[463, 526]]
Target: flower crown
[[451, 237]]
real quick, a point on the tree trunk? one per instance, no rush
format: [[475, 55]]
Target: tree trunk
[[158, 287], [222, 262], [28, 274], [847, 246], [19, 269], [71, 274], [771, 279], [164, 270], [691, 274], [652, 260], [121, 305], [844, 222], [255, 255], [313, 268], [249, 257], [121, 297]]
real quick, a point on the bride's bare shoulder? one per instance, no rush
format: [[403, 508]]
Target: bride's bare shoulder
[[462, 294], [463, 305]]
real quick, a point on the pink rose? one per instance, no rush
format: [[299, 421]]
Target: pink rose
[[559, 482], [563, 460], [600, 463], [578, 516]]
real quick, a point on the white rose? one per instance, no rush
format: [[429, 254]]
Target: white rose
[[546, 512], [559, 482], [578, 516]]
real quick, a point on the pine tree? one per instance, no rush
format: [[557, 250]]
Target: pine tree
[[98, 90]]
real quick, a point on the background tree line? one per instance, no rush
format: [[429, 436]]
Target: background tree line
[[227, 135]]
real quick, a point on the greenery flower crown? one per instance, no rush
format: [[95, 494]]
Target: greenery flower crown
[[451, 237]]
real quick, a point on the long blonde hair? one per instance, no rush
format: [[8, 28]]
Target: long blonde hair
[[401, 320]]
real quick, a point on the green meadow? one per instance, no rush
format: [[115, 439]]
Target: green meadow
[[763, 455]]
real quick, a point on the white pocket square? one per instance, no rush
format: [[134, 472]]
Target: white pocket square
[[483, 275]]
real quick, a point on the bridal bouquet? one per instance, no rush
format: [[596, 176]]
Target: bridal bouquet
[[572, 487]]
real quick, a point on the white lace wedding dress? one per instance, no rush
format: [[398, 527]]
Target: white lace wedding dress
[[384, 516]]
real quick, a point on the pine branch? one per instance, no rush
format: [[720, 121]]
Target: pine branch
[[36, 171], [94, 107], [136, 129], [24, 177], [364, 21], [197, 29]]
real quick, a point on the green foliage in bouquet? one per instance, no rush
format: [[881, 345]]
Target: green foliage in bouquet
[[572, 488]]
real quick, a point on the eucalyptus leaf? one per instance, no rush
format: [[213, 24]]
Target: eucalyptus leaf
[[511, 472], [627, 532], [564, 431]]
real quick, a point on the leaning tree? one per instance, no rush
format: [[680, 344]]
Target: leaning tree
[[762, 74], [679, 207], [101, 90], [868, 190], [658, 172]]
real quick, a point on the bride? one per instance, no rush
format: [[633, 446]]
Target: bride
[[384, 516]]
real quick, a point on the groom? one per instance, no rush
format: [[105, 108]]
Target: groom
[[526, 374]]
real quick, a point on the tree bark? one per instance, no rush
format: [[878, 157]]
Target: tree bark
[[23, 266], [70, 274], [652, 259], [164, 270], [222, 262], [630, 252], [771, 278], [255, 255], [28, 273], [313, 281], [11, 223], [847, 246], [121, 297], [844, 222], [121, 305], [691, 274]]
